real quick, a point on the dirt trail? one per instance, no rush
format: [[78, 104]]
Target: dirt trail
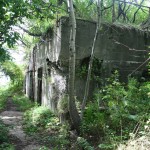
[[13, 118]]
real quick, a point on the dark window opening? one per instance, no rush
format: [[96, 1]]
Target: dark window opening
[[39, 90], [31, 93]]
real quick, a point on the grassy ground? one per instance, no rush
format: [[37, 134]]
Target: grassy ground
[[4, 94]]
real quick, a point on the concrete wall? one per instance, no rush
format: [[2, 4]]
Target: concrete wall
[[49, 85], [120, 47]]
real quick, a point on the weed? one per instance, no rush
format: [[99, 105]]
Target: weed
[[116, 110], [42, 122], [4, 94], [23, 102], [4, 138], [6, 146], [44, 148], [84, 144], [3, 132], [38, 118]]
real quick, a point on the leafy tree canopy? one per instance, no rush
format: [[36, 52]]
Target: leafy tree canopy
[[14, 12], [38, 14], [13, 71]]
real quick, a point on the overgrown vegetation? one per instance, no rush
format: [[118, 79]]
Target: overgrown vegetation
[[4, 138], [3, 133], [10, 91], [22, 102], [39, 120], [3, 98], [96, 72], [117, 112], [140, 141]]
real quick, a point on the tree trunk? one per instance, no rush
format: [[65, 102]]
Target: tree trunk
[[113, 12], [75, 118], [91, 61]]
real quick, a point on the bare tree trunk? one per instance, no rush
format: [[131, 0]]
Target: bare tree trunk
[[101, 7], [75, 118], [113, 12], [91, 62]]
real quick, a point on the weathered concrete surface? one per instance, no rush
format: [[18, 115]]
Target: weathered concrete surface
[[119, 47]]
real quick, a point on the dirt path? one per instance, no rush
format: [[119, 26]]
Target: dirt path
[[13, 118]]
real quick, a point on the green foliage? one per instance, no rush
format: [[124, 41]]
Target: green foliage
[[58, 140], [116, 110], [6, 146], [42, 122], [4, 138], [4, 54], [63, 105], [40, 14], [11, 12], [97, 70], [14, 13], [85, 10], [14, 91], [3, 133], [23, 102], [106, 146], [13, 71], [44, 148], [93, 121], [84, 144], [38, 118], [4, 94]]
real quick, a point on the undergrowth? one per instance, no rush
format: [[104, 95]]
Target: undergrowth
[[117, 112], [39, 120], [22, 102], [9, 91], [4, 94], [4, 138]]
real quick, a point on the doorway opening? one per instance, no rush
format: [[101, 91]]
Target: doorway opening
[[39, 90]]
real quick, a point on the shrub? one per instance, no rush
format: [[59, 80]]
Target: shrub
[[6, 146], [93, 120], [84, 144], [38, 118], [4, 94], [3, 133], [4, 138], [116, 110], [23, 102], [42, 122]]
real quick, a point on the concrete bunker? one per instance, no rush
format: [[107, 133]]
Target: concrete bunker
[[117, 47]]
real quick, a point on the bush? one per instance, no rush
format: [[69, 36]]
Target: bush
[[4, 138], [38, 118], [116, 110], [4, 94], [93, 121], [23, 102], [40, 121], [3, 133], [6, 146]]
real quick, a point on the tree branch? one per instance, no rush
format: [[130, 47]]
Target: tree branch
[[137, 11], [32, 34], [133, 3], [106, 7]]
